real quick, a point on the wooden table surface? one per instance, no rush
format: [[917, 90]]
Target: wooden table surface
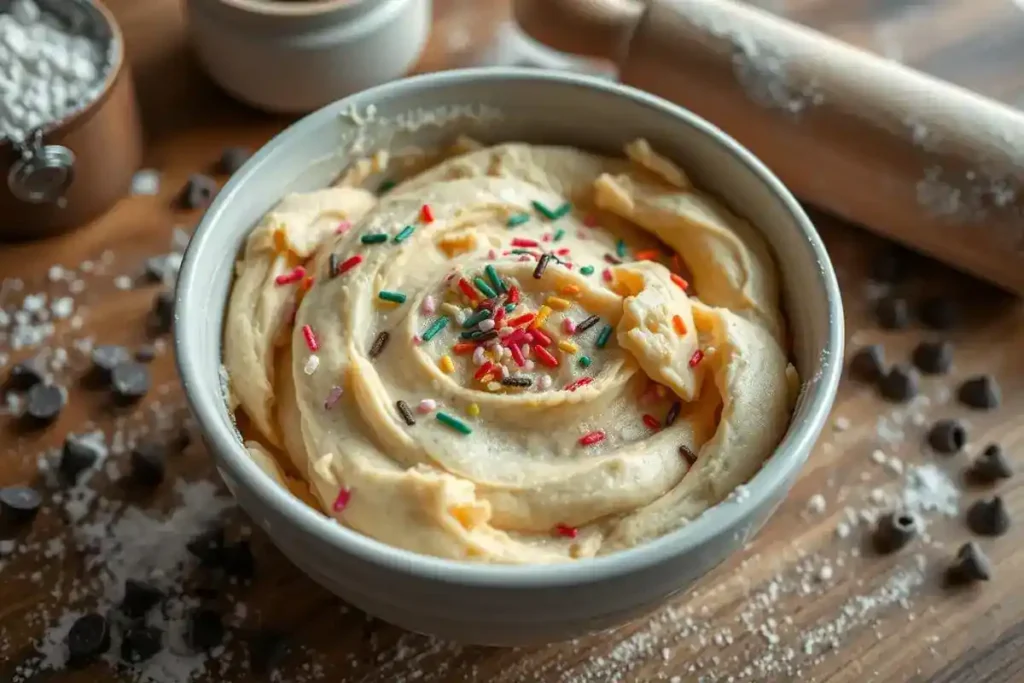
[[806, 600]]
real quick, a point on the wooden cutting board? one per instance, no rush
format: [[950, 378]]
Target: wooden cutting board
[[805, 601]]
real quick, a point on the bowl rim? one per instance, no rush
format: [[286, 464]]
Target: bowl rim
[[724, 517]]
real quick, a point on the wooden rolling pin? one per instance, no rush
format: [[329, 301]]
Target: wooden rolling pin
[[916, 159]]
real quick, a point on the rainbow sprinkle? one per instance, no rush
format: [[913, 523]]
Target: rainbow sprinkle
[[559, 234], [473, 410], [435, 328], [696, 358], [604, 336], [393, 297], [341, 502], [492, 274], [651, 422], [679, 325], [350, 263], [568, 346], [405, 234], [592, 438], [446, 364], [517, 220], [566, 530], [311, 342], [587, 270], [558, 303], [484, 288], [585, 361], [426, 214], [289, 278], [333, 396], [374, 238], [453, 423], [680, 282]]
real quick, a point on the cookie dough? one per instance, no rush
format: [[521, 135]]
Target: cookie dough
[[522, 354]]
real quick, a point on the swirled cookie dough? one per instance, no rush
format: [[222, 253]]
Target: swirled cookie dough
[[522, 354]]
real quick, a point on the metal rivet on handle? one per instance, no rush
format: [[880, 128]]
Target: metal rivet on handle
[[43, 174]]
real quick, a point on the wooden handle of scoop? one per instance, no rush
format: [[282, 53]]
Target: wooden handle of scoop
[[914, 158]]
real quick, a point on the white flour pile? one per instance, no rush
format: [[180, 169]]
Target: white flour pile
[[46, 71]]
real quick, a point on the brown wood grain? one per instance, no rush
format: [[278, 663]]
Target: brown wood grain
[[769, 614]]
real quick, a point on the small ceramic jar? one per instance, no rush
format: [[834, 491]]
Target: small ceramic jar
[[294, 56]]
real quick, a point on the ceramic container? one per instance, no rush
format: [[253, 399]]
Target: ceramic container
[[72, 170], [294, 56], [506, 605]]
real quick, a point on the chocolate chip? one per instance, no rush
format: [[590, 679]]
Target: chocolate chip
[[139, 598], [232, 159], [88, 638], [78, 455], [106, 357], [205, 630], [889, 265], [19, 504], [267, 651], [988, 517], [868, 363], [156, 268], [947, 436], [971, 565], [26, 374], [145, 353], [991, 465], [895, 530], [198, 191], [236, 559], [933, 357], [939, 312], [892, 313], [981, 392], [900, 384], [149, 462], [45, 401], [141, 643], [130, 381], [163, 311], [208, 547]]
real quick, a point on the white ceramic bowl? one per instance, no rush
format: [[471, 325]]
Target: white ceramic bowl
[[506, 605], [295, 57]]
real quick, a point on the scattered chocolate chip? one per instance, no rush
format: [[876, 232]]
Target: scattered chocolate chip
[[88, 638], [106, 357], [895, 530], [198, 191], [868, 363], [585, 325], [889, 265], [892, 313], [939, 312], [406, 413], [899, 384], [236, 559], [981, 393], [19, 504], [78, 455], [26, 374], [208, 547], [933, 357], [139, 598], [947, 436], [991, 465], [149, 462], [988, 517], [145, 353], [971, 565], [141, 643], [688, 455], [130, 381], [205, 630], [232, 159], [267, 651], [163, 311], [45, 401], [156, 268]]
